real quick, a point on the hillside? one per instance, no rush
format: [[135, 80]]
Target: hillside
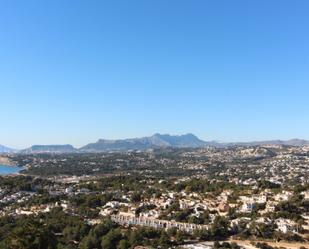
[[4, 149], [67, 148], [155, 141]]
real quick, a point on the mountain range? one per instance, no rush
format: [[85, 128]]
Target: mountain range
[[4, 149], [291, 142], [145, 143], [66, 148]]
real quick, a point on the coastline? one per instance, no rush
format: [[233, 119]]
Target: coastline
[[5, 160], [6, 170]]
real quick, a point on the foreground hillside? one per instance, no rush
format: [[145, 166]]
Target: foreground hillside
[[120, 212], [163, 198]]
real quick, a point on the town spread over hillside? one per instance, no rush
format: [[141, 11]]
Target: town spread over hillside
[[157, 192]]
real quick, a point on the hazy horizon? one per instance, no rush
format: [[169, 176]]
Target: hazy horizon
[[121, 138], [75, 72]]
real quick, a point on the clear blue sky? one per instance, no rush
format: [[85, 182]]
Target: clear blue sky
[[76, 71]]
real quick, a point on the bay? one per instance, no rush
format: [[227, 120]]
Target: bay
[[7, 170]]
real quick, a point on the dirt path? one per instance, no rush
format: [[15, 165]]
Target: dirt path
[[289, 245]]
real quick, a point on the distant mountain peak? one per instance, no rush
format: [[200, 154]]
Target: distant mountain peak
[[4, 149], [57, 148], [155, 141]]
